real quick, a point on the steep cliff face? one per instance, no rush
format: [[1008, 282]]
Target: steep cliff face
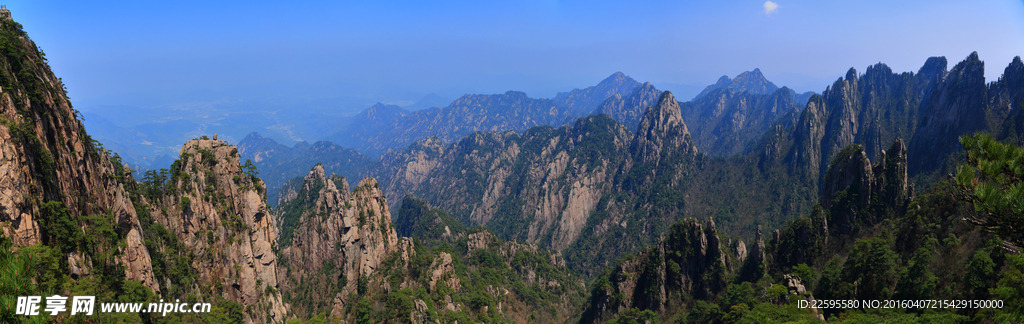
[[217, 214], [545, 185], [871, 109], [52, 174], [958, 105], [853, 188], [553, 176], [1004, 94], [331, 238], [340, 256], [688, 261], [661, 131], [727, 122], [930, 109]]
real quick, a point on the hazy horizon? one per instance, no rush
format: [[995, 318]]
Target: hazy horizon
[[207, 67], [149, 54]]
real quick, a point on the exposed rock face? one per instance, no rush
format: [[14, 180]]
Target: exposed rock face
[[557, 175], [958, 105], [688, 260], [1005, 94], [219, 212], [850, 171], [661, 128], [871, 109], [740, 249], [555, 178], [46, 156], [727, 122], [930, 109], [442, 270], [351, 231], [852, 184]]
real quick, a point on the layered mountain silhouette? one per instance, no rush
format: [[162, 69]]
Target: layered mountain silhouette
[[381, 128]]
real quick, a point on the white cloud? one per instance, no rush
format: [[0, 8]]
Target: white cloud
[[770, 7]]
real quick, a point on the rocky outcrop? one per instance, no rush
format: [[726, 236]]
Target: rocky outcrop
[[46, 157], [930, 109], [335, 239], [688, 260], [872, 110], [661, 130], [728, 122], [218, 211], [958, 105], [555, 176], [1005, 93], [442, 271], [852, 187]]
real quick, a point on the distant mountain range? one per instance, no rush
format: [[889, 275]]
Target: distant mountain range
[[727, 119], [381, 127]]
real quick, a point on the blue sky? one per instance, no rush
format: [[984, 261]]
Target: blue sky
[[149, 54]]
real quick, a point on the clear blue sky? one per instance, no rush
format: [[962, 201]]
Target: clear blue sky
[[146, 53]]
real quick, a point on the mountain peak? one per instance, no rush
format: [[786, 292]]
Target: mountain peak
[[615, 79], [583, 101], [935, 66], [661, 130], [252, 137], [750, 81]]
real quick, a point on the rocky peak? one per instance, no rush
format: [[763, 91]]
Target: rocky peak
[[849, 170], [892, 185], [50, 168], [934, 68], [617, 79], [851, 75], [661, 128], [688, 260], [749, 81], [853, 185], [219, 210], [957, 105], [753, 82], [328, 225], [582, 101]]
